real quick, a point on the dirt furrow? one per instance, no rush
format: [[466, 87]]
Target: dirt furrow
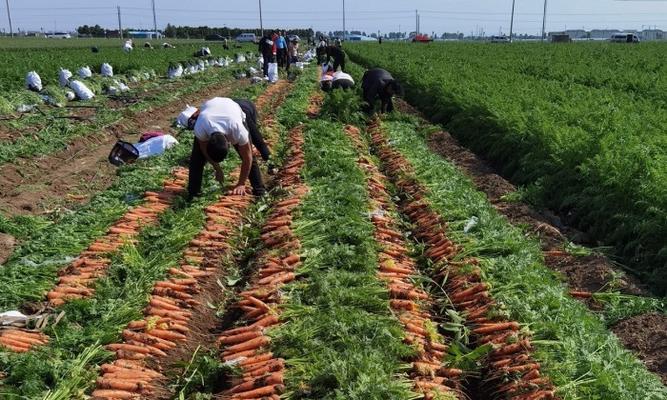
[[509, 369], [410, 304]]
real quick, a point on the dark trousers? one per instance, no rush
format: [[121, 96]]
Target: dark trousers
[[282, 57], [339, 62]]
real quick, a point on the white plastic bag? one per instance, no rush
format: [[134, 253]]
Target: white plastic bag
[[299, 65], [33, 81], [273, 72], [70, 95], [127, 46], [63, 77], [85, 72], [175, 72], [253, 71], [240, 58], [107, 70], [155, 146], [184, 116], [81, 90], [260, 63]]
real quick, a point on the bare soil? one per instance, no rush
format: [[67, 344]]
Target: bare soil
[[646, 336], [43, 185], [7, 243]]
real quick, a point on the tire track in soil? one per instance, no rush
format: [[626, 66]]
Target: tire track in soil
[[34, 186], [584, 275], [77, 280], [177, 321], [409, 303], [508, 370]]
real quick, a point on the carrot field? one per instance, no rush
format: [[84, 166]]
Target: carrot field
[[378, 266]]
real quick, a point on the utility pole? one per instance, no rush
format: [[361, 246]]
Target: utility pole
[[9, 17], [261, 23], [512, 21], [120, 24], [416, 23], [544, 22], [154, 19], [344, 20]]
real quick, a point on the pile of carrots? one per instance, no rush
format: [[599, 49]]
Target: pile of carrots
[[77, 280], [246, 346], [170, 309], [509, 368], [21, 340], [408, 302]]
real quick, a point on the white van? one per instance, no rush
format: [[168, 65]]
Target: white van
[[247, 38], [624, 38]]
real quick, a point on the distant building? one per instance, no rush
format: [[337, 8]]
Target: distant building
[[577, 34], [653, 34], [559, 37], [603, 34]]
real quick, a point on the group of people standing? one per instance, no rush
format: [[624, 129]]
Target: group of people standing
[[277, 47]]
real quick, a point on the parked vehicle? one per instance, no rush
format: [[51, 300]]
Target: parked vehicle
[[247, 38], [59, 35], [500, 39], [624, 38], [422, 38]]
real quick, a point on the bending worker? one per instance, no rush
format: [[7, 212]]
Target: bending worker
[[379, 83], [338, 56], [338, 80], [219, 123]]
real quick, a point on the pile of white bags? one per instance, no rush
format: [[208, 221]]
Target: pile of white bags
[[273, 72], [175, 72], [127, 46]]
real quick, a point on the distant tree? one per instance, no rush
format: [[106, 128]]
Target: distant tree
[[170, 31]]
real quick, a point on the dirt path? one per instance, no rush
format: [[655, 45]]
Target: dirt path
[[591, 273], [42, 185]]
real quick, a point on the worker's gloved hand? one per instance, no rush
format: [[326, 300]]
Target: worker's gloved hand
[[238, 191]]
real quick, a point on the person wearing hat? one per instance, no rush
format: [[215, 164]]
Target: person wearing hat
[[379, 83], [219, 123]]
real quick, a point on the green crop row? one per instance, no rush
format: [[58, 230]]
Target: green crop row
[[573, 345], [594, 153]]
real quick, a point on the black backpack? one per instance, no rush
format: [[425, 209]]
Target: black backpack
[[123, 153]]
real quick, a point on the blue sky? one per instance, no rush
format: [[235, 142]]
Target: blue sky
[[368, 15]]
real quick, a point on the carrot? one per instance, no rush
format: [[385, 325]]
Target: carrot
[[256, 359], [22, 337], [15, 343], [511, 348], [260, 392], [127, 347], [239, 355], [258, 303], [581, 294], [166, 335], [275, 378], [403, 305], [120, 384], [148, 340], [266, 321], [114, 394], [272, 366], [249, 345], [157, 302], [239, 338], [502, 326]]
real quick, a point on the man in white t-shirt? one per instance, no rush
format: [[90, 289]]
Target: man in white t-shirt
[[219, 123]]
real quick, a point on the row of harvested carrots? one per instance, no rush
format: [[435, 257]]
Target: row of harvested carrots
[[510, 371], [246, 346], [76, 281], [408, 302], [136, 371]]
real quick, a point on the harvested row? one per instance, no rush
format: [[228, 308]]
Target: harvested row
[[76, 281], [20, 340], [169, 311], [510, 370], [408, 302], [246, 346], [174, 303]]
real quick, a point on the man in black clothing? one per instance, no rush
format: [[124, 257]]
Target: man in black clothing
[[338, 56], [379, 83], [218, 148], [266, 48]]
